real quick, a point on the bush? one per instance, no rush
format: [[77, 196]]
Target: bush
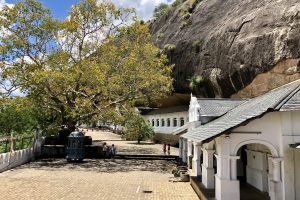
[[159, 36], [196, 45], [138, 129], [183, 24], [169, 47], [177, 2]]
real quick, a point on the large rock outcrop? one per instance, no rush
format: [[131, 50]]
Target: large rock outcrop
[[231, 42]]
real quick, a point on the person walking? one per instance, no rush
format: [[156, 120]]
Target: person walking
[[169, 149], [113, 150], [105, 149], [164, 148]]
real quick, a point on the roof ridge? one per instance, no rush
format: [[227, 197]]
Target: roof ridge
[[225, 99], [287, 98]]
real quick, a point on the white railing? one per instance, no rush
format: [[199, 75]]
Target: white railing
[[10, 160]]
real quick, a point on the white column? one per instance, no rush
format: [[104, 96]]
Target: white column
[[180, 147], [233, 167], [275, 184], [190, 146], [276, 169], [208, 171], [227, 185], [196, 159], [184, 152], [189, 153]]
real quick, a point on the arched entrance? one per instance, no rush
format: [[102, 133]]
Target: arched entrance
[[253, 170]]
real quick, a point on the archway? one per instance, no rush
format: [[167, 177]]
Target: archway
[[253, 170]]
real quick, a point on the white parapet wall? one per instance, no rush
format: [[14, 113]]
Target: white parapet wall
[[10, 160]]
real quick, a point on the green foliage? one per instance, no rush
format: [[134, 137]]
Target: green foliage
[[195, 82], [177, 2], [196, 45], [192, 5], [169, 47], [186, 16], [21, 142], [183, 24], [17, 116], [136, 128], [161, 10], [159, 36], [79, 68], [188, 8]]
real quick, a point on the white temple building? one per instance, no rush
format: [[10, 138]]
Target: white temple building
[[167, 122], [231, 145]]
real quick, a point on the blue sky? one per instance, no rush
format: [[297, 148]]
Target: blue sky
[[60, 8]]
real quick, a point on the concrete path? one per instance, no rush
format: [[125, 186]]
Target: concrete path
[[129, 147], [53, 179]]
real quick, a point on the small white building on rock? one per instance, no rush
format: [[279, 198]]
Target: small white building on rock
[[167, 122], [248, 147]]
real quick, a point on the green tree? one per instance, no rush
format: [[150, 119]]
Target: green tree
[[17, 116], [195, 83], [100, 58], [160, 10], [136, 128]]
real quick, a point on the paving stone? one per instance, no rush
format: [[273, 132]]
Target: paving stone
[[96, 179]]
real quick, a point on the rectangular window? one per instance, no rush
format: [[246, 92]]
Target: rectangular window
[[168, 122], [181, 121], [174, 122]]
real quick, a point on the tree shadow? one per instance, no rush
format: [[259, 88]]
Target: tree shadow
[[102, 165]]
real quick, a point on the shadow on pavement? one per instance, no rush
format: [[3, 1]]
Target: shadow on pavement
[[102, 165]]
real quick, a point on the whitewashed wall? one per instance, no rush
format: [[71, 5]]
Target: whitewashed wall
[[257, 169], [166, 129], [9, 160], [275, 130]]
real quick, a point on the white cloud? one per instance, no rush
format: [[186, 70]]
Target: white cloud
[[3, 3], [144, 8]]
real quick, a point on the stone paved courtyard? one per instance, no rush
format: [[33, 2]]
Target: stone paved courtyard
[[96, 178]]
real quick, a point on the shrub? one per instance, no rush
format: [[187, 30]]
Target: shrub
[[169, 47], [196, 45], [159, 36], [138, 129], [183, 24]]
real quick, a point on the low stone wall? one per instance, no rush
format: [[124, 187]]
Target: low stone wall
[[10, 160], [60, 151], [173, 140]]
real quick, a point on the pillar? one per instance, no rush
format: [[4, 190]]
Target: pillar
[[233, 167], [196, 159], [180, 147], [275, 187], [184, 150], [276, 169], [227, 185], [190, 153], [208, 171]]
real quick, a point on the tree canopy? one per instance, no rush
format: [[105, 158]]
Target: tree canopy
[[137, 128], [100, 58], [161, 9], [18, 116]]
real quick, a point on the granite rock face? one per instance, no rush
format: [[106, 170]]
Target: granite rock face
[[230, 43]]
